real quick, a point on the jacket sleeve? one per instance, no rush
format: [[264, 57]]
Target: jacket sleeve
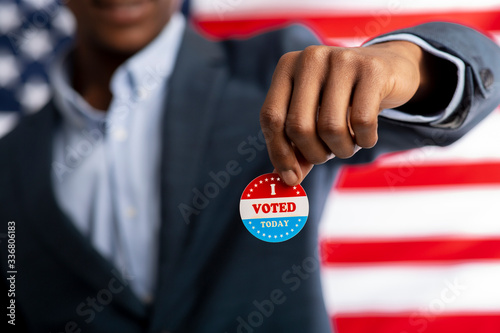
[[479, 95], [481, 57]]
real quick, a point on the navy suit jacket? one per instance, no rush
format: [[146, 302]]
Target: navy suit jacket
[[214, 277]]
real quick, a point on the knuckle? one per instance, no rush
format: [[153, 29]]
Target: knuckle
[[363, 121], [286, 64], [270, 118], [337, 137], [343, 56], [287, 59], [314, 53], [328, 129], [373, 64], [280, 158], [295, 129]]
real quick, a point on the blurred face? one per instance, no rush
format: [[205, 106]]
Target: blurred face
[[120, 26]]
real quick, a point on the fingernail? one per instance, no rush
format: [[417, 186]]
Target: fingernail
[[289, 177], [356, 148], [331, 157]]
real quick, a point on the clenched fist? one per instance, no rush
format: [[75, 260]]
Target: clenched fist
[[324, 101]]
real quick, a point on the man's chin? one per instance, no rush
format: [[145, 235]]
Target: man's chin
[[123, 13], [123, 44]]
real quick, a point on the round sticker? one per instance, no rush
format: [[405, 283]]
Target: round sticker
[[273, 211]]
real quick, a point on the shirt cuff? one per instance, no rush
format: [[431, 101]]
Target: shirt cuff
[[442, 115]]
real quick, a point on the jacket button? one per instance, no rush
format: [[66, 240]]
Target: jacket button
[[487, 77]]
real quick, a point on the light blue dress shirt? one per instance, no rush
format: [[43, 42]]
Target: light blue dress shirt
[[106, 164]]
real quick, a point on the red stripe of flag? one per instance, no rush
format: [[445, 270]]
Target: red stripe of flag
[[418, 322], [425, 250], [407, 175], [343, 25]]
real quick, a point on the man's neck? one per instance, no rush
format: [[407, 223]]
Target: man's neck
[[92, 71]]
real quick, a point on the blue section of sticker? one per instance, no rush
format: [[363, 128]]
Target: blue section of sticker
[[277, 229]]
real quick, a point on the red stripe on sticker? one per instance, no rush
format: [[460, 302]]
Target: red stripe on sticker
[[418, 321], [405, 175], [361, 252]]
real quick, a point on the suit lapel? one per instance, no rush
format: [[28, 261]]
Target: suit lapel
[[50, 224], [194, 90]]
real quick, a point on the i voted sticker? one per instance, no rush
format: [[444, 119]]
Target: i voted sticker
[[273, 211]]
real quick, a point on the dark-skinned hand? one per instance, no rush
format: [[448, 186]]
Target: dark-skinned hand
[[324, 101]]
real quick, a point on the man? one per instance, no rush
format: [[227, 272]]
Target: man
[[125, 188]]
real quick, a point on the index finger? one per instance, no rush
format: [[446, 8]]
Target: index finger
[[273, 117]]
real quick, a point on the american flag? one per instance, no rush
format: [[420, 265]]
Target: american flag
[[410, 243], [31, 31]]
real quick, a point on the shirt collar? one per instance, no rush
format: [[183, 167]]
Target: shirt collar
[[135, 79], [153, 64]]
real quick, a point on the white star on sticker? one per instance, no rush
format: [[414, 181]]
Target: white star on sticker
[[272, 178], [248, 195], [278, 179], [260, 182], [297, 225], [250, 222], [251, 190], [255, 185], [269, 236], [258, 231], [264, 235], [298, 192], [281, 235], [295, 187], [275, 236], [300, 220], [253, 227], [286, 233], [291, 230]]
